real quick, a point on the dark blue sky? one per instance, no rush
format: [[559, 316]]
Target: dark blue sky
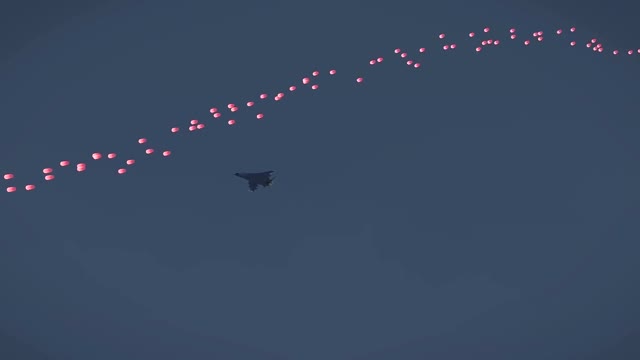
[[485, 206]]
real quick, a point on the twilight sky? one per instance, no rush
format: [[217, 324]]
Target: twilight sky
[[482, 206]]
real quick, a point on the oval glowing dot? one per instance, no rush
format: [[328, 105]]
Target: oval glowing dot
[[149, 151], [422, 50], [403, 55], [260, 116], [416, 65], [484, 42], [49, 177], [410, 62], [453, 46], [166, 153], [217, 115], [292, 88], [446, 47], [200, 126], [96, 156], [513, 36], [230, 105], [305, 80], [573, 43], [397, 51], [131, 162], [315, 73], [441, 36], [573, 29], [486, 29], [472, 34], [263, 96], [64, 163], [234, 109], [540, 38], [333, 72], [30, 187], [496, 42], [8, 176], [231, 122], [174, 129], [630, 52], [314, 87], [559, 31], [192, 128], [372, 62], [213, 110], [250, 104], [359, 79], [512, 30], [11, 189], [80, 168], [379, 59], [142, 141], [47, 170], [600, 50], [280, 94], [122, 171], [478, 49], [527, 42], [588, 45], [111, 155], [277, 98], [193, 122], [615, 52]]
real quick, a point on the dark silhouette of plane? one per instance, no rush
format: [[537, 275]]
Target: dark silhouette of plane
[[255, 179]]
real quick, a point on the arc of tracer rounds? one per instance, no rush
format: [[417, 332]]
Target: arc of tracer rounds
[[481, 40]]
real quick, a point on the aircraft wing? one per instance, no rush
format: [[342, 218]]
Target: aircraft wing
[[252, 186]]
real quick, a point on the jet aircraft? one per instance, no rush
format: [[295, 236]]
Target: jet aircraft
[[255, 179]]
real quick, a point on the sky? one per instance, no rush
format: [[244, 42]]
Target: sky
[[481, 206]]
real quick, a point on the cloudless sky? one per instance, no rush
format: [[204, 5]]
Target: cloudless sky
[[483, 206]]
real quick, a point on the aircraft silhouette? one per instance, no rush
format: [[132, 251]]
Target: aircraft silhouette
[[255, 179]]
